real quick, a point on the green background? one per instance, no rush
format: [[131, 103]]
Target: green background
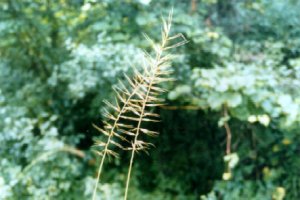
[[59, 60]]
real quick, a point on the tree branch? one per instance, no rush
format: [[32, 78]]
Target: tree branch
[[228, 131]]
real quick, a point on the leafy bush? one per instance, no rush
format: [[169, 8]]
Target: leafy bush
[[58, 61]]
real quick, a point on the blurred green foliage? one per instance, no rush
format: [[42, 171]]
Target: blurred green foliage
[[59, 59]]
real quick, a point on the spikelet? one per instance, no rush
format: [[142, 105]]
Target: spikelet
[[124, 122]]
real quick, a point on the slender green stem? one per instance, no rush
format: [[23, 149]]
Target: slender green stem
[[129, 174], [98, 175]]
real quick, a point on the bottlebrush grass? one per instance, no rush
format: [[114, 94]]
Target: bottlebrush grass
[[134, 104]]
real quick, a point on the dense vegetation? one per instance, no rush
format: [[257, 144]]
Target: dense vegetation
[[239, 75]]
